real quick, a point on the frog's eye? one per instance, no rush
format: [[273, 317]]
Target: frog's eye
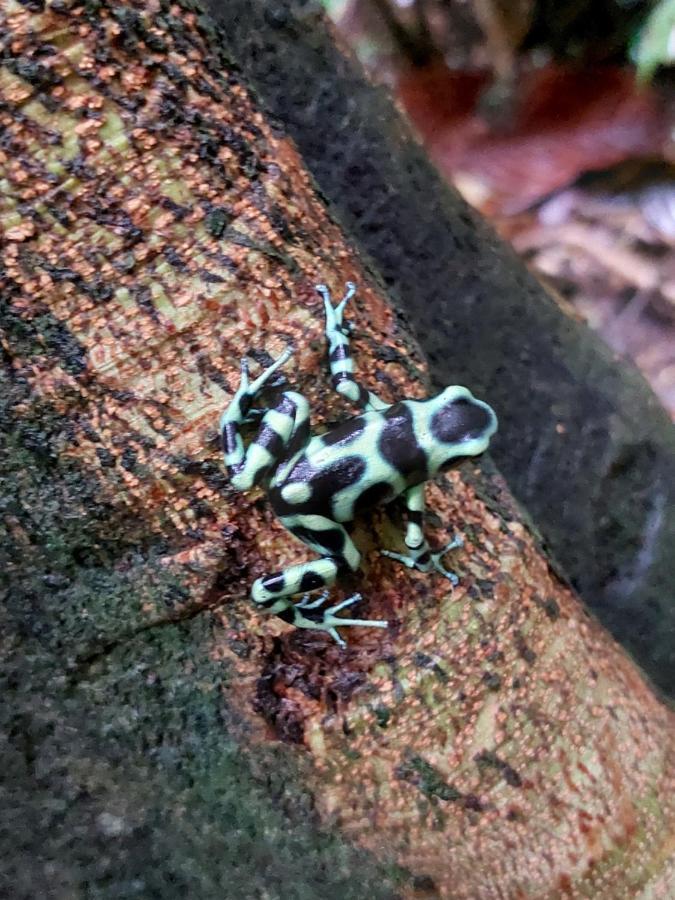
[[461, 420]]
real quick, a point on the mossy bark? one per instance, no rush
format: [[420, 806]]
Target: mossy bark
[[160, 737]]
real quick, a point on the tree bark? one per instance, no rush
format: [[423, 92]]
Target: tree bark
[[583, 442], [161, 737]]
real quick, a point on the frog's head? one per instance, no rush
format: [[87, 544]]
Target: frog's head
[[459, 425]]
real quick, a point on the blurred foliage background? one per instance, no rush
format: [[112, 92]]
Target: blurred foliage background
[[556, 119]]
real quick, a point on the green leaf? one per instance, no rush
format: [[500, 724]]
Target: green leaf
[[656, 41]]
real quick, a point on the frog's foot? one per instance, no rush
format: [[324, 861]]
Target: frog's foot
[[249, 388], [240, 408], [423, 560], [456, 542], [327, 620], [334, 314], [256, 386]]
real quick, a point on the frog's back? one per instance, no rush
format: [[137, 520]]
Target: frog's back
[[365, 461]]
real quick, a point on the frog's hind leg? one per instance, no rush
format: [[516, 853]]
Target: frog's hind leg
[[339, 354], [274, 592], [419, 554], [323, 535], [283, 429]]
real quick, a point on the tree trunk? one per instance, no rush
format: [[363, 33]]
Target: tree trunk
[[583, 442], [161, 737]]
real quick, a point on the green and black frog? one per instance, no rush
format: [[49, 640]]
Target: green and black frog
[[318, 483]]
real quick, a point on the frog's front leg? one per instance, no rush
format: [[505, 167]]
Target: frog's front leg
[[420, 556], [283, 430], [339, 354], [275, 592]]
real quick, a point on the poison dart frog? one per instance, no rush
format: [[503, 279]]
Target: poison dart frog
[[318, 483]]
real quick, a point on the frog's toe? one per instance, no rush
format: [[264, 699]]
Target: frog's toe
[[408, 561], [331, 621], [422, 561], [350, 601], [454, 544], [350, 290], [266, 375], [307, 603], [243, 375], [436, 558], [336, 637], [334, 313], [439, 567]]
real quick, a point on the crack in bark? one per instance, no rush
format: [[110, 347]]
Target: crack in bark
[[84, 662]]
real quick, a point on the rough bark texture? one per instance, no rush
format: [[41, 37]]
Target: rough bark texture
[[160, 737], [584, 444]]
